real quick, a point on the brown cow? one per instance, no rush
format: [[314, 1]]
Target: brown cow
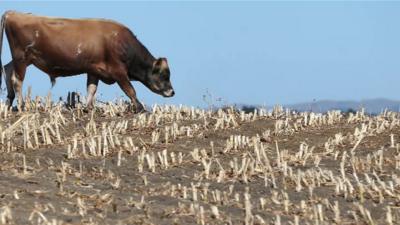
[[105, 50]]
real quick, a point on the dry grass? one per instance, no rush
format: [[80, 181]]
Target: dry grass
[[181, 165]]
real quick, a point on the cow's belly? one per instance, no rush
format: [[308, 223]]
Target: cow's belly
[[56, 70], [107, 80], [54, 67], [56, 59]]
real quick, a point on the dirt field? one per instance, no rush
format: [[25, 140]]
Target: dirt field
[[179, 165]]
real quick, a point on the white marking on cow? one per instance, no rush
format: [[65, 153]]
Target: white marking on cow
[[78, 49], [91, 90], [15, 80], [168, 93], [30, 45], [114, 33], [37, 33]]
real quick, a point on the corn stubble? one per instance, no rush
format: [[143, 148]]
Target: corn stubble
[[183, 165]]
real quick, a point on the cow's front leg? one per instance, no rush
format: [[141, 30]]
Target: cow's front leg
[[92, 82], [9, 71], [127, 87]]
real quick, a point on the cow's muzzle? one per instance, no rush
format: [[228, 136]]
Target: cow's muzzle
[[168, 93]]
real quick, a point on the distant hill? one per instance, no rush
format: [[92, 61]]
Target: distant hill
[[372, 106]]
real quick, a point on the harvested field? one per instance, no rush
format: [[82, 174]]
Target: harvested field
[[181, 165]]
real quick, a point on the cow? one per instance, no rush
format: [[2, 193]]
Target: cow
[[8, 72], [103, 49]]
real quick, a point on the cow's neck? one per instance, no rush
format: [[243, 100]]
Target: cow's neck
[[141, 63]]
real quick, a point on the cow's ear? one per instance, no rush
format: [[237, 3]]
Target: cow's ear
[[159, 61], [157, 66]]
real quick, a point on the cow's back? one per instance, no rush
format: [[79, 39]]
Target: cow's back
[[62, 26], [59, 45]]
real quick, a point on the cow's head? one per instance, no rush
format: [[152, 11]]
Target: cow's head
[[158, 79]]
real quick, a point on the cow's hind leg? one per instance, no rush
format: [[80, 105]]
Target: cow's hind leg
[[92, 82], [9, 71], [17, 78], [127, 87]]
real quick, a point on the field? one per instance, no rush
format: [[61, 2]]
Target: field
[[181, 165]]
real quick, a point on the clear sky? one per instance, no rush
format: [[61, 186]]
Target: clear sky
[[248, 52]]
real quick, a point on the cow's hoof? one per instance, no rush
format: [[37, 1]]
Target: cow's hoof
[[137, 108], [139, 111], [143, 110]]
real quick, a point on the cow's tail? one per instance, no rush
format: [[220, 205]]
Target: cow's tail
[[53, 81], [2, 27]]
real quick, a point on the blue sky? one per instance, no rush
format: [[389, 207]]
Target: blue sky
[[248, 52]]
